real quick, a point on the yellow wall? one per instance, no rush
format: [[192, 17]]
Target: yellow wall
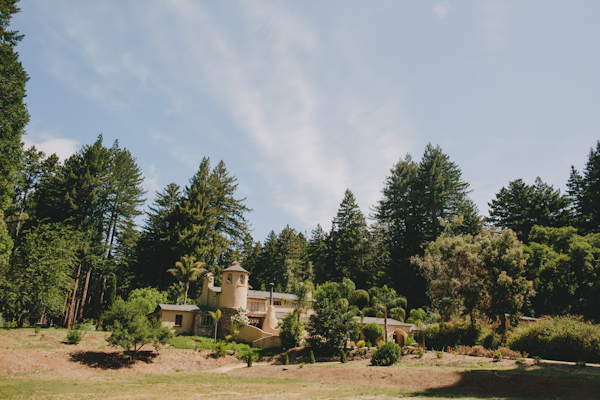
[[168, 320]]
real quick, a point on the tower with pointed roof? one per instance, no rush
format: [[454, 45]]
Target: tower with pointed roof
[[234, 287]]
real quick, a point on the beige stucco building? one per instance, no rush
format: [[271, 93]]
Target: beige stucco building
[[264, 309]]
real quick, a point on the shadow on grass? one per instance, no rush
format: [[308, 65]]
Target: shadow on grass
[[110, 360], [546, 382]]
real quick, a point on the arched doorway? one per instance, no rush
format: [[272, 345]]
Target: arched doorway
[[399, 337]]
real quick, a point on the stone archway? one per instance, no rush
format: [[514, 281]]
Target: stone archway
[[399, 337]]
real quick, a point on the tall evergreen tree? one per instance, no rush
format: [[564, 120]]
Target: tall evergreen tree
[[416, 198], [35, 167], [584, 191], [349, 239], [317, 254], [157, 247], [98, 192], [520, 206], [13, 111], [210, 220]]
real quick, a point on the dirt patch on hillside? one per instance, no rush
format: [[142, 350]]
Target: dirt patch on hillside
[[451, 374], [90, 363], [434, 376]]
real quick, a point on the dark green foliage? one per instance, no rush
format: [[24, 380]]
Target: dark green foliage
[[333, 323], [343, 357], [562, 338], [13, 111], [485, 273], [360, 299], [584, 191], [210, 220], [520, 206], [150, 298], [282, 260], [286, 359], [387, 354], [565, 269], [372, 332], [348, 246], [291, 331], [219, 350], [41, 272], [249, 358], [387, 303], [157, 246], [130, 328], [415, 198], [453, 333], [111, 291], [312, 357], [74, 336]]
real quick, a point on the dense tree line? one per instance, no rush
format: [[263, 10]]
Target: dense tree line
[[69, 244]]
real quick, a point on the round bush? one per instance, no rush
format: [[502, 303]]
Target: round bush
[[562, 338], [372, 332], [387, 354]]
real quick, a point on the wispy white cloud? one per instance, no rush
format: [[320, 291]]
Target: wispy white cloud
[[441, 9], [314, 136], [494, 24], [51, 143]]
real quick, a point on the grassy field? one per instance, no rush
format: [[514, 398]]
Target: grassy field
[[475, 379]]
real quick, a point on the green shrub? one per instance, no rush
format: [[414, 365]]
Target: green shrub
[[489, 339], [219, 350], [453, 333], [537, 360], [74, 336], [360, 344], [291, 331], [312, 357], [249, 358], [286, 359], [439, 354], [372, 331], [566, 338], [387, 354], [343, 357]]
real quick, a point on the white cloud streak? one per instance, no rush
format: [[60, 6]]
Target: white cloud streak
[[494, 24], [441, 9], [315, 137]]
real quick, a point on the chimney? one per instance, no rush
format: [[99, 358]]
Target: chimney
[[271, 297]]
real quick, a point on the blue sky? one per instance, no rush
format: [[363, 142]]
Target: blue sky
[[303, 99]]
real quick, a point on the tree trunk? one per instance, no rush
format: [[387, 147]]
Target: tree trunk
[[64, 308], [83, 296], [101, 302], [385, 337], [72, 306], [76, 309]]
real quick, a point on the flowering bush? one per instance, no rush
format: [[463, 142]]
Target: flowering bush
[[240, 318]]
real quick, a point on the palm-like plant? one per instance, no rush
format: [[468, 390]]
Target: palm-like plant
[[386, 302], [216, 316], [187, 270]]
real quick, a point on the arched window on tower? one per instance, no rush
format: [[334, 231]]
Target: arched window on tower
[[228, 281], [242, 279]]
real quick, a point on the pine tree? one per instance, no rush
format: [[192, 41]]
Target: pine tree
[[520, 206], [349, 238], [13, 111], [157, 246], [210, 220], [317, 254], [584, 191], [417, 197]]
